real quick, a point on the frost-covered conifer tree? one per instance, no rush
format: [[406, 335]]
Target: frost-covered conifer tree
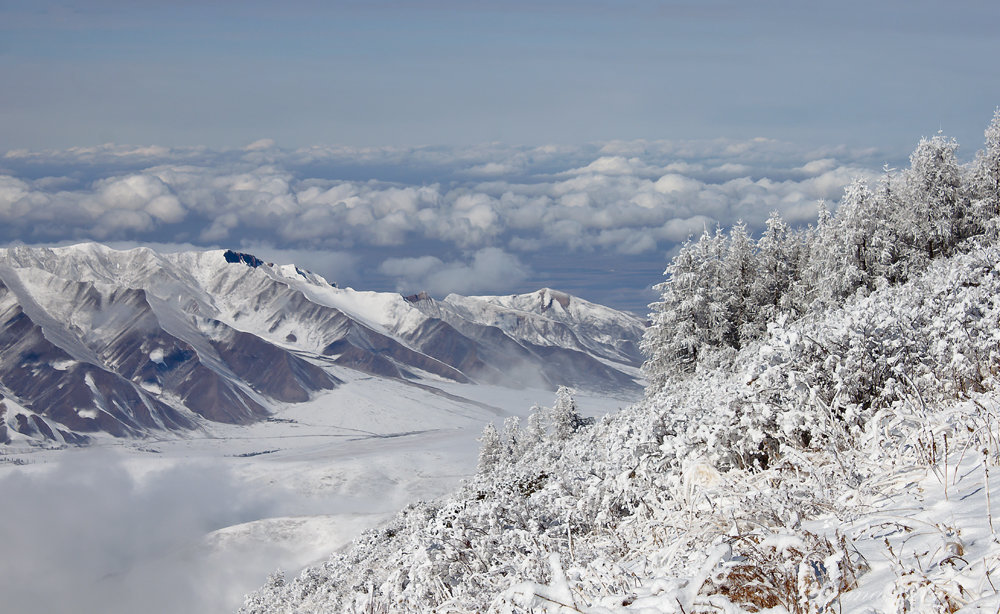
[[693, 312], [490, 449], [740, 271], [819, 274], [671, 341], [534, 435], [937, 212], [891, 227], [511, 436], [857, 260], [776, 258], [713, 288], [984, 180], [565, 417]]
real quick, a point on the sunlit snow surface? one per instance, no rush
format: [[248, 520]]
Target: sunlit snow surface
[[192, 524]]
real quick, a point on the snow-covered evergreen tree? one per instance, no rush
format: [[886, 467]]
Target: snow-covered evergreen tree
[[566, 418], [511, 437], [937, 213], [984, 180], [776, 271], [857, 262], [490, 449], [672, 340], [739, 275], [533, 437], [694, 310]]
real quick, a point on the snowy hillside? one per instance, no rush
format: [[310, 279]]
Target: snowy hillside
[[127, 343], [819, 435], [636, 513]]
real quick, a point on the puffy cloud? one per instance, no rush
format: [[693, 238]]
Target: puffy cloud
[[490, 270], [673, 183], [612, 165], [260, 144], [139, 193], [620, 198]]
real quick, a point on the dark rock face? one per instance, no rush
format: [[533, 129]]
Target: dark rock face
[[416, 298], [248, 259], [272, 371], [4, 438], [81, 396], [366, 350]]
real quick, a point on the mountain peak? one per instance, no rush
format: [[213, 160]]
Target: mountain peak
[[549, 297], [248, 259]]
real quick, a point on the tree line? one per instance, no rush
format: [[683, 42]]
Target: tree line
[[723, 289]]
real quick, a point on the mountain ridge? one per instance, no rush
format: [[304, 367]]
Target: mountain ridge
[[126, 342]]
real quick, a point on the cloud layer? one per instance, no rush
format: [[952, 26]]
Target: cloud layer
[[448, 218], [82, 530]]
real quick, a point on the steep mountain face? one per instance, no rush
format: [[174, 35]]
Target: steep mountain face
[[95, 340]]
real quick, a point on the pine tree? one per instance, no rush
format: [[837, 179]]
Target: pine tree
[[891, 227], [857, 260], [984, 180], [671, 342], [819, 274], [937, 211], [776, 258], [534, 435], [511, 436], [565, 418], [490, 449], [740, 271]]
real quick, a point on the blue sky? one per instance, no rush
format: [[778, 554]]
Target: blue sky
[[570, 108], [450, 72]]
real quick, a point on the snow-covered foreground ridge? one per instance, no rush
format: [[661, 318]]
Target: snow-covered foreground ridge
[[845, 462], [128, 343]]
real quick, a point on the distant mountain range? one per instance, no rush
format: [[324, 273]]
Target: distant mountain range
[[127, 343]]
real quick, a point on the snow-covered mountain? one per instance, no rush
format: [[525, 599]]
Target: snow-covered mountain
[[94, 339]]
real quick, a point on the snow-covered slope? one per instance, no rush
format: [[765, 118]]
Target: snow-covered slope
[[96, 340], [844, 463], [552, 318]]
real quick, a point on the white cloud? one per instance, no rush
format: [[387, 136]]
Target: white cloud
[[623, 198], [611, 165], [674, 183], [260, 144], [490, 270], [407, 269], [816, 167]]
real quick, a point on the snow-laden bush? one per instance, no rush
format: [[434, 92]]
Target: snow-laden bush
[[819, 382]]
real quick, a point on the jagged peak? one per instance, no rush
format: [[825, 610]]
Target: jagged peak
[[250, 260], [416, 298]]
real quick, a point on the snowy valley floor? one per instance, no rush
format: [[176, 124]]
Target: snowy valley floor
[[190, 525]]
